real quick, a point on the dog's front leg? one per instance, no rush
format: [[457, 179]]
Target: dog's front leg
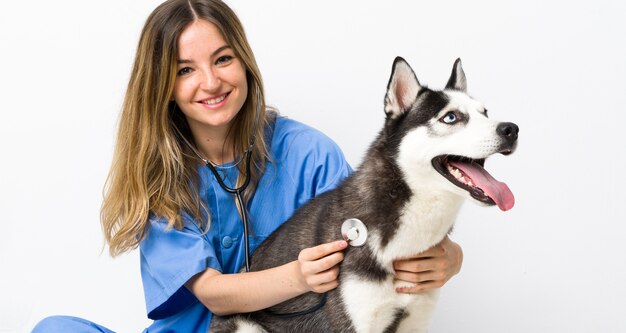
[[372, 306], [419, 312]]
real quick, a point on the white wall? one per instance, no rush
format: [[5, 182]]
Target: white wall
[[555, 263]]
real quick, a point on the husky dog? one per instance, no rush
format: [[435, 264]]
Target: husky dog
[[427, 159]]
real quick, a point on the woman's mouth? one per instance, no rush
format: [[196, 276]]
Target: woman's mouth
[[214, 102]]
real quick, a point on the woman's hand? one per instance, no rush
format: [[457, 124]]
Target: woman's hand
[[319, 266], [430, 269], [316, 269]]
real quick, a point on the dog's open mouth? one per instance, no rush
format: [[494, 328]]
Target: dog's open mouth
[[470, 175]]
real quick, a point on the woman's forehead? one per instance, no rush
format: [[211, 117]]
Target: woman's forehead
[[200, 37]]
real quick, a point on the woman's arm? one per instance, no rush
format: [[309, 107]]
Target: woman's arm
[[430, 269], [315, 270]]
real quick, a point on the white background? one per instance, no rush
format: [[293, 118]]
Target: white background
[[555, 263]]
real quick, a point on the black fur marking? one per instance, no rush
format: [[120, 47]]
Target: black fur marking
[[225, 325], [382, 213], [457, 79], [429, 104], [398, 317]]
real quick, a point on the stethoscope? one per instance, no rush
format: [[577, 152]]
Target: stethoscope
[[353, 230], [237, 191]]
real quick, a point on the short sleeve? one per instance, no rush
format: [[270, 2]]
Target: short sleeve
[[169, 258], [331, 167], [315, 161], [304, 164]]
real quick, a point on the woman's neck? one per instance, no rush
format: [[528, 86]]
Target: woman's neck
[[214, 145], [216, 151]]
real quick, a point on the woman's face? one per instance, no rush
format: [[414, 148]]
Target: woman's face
[[211, 85]]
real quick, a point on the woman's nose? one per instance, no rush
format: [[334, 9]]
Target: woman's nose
[[210, 80]]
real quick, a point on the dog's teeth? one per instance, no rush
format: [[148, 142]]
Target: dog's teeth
[[456, 173]]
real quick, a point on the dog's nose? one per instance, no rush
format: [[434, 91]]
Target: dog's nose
[[508, 131]]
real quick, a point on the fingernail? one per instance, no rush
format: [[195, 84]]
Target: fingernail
[[343, 244]]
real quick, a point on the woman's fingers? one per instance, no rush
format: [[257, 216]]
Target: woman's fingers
[[419, 265], [317, 252], [421, 277], [324, 280], [421, 287], [322, 288], [323, 264], [319, 265], [431, 268]]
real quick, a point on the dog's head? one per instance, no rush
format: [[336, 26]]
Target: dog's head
[[443, 137]]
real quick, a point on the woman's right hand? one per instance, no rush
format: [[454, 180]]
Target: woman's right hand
[[319, 266], [316, 270]]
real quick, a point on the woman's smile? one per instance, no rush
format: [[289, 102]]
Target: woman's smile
[[211, 85], [214, 102]]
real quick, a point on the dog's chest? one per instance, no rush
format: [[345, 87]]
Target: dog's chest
[[376, 306], [423, 223]]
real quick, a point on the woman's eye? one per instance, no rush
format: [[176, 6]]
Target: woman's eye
[[223, 60], [450, 118], [184, 71]]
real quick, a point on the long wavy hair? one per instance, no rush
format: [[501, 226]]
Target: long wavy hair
[[154, 170]]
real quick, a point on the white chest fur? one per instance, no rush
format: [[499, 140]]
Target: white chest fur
[[424, 222], [373, 306]]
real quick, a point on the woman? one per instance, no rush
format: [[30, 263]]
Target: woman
[[196, 97]]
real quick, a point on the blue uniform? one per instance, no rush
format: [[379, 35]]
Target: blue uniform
[[304, 163]]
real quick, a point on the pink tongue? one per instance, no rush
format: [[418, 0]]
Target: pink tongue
[[498, 191]]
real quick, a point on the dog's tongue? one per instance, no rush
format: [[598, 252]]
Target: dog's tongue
[[498, 191]]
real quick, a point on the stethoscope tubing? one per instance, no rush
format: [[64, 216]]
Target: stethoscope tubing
[[238, 192]]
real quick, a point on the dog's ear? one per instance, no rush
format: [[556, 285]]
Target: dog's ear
[[402, 89], [457, 79]]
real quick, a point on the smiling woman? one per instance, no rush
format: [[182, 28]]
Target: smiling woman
[[195, 89], [187, 43], [210, 88]]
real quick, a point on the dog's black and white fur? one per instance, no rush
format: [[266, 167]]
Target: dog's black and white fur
[[407, 191]]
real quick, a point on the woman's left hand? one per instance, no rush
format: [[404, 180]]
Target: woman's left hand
[[430, 269]]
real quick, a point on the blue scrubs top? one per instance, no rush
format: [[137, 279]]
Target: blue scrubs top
[[305, 163]]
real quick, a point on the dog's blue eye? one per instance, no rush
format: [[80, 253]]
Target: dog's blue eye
[[450, 118]]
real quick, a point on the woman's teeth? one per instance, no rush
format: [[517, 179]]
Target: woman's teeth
[[214, 100]]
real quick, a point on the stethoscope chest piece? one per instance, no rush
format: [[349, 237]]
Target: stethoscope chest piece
[[354, 232]]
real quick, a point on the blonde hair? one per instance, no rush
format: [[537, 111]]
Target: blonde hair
[[153, 170]]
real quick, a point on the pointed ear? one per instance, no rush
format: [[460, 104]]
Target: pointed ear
[[457, 78], [402, 89]]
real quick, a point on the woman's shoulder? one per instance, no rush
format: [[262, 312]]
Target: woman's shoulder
[[306, 158], [290, 134]]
